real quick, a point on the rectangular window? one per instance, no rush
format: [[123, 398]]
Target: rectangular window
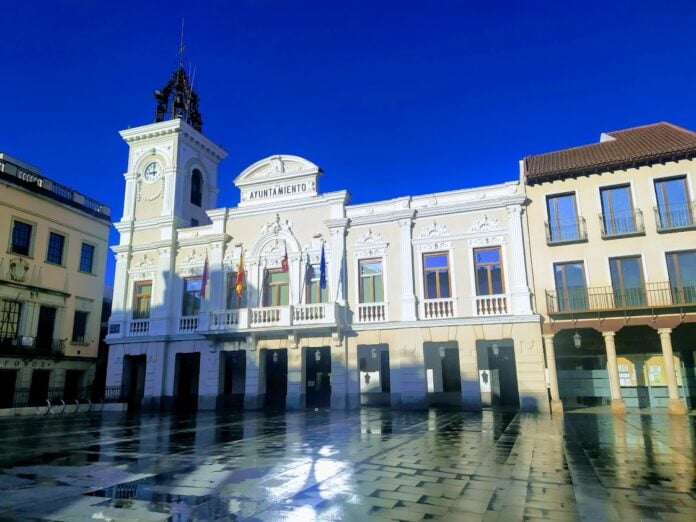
[[86, 258], [563, 218], [436, 275], [489, 271], [10, 313], [681, 267], [371, 281], [142, 294], [570, 286], [192, 296], [276, 290], [673, 204], [617, 211], [314, 293], [54, 254], [627, 281], [21, 238], [79, 326], [234, 300]]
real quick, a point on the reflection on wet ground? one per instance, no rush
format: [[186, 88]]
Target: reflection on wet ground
[[336, 465]]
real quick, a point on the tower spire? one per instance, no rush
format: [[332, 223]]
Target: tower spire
[[177, 99]]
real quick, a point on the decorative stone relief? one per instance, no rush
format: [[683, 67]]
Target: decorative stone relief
[[485, 225], [369, 238], [192, 258], [276, 226], [433, 246], [159, 185], [487, 240], [433, 230], [370, 244], [191, 264], [18, 270], [143, 263]]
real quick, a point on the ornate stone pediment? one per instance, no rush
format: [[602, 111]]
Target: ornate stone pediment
[[277, 226], [370, 244], [485, 225], [433, 230], [369, 238]]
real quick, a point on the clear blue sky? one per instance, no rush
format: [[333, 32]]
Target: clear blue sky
[[388, 97]]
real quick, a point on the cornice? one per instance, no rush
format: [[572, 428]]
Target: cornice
[[288, 206], [462, 321]]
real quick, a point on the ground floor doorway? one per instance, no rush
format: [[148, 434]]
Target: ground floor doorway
[[318, 377], [8, 380], [233, 379], [276, 366], [133, 383], [442, 373], [375, 378], [186, 376], [497, 374], [73, 386], [38, 391]]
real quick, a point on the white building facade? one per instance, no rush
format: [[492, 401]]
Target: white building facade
[[425, 301]]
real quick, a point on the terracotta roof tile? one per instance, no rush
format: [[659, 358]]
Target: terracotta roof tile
[[624, 148]]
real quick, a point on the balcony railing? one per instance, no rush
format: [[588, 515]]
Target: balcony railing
[[675, 217], [566, 231], [437, 308], [607, 298], [496, 304], [622, 224], [188, 323], [273, 316], [24, 345], [139, 327], [372, 312]]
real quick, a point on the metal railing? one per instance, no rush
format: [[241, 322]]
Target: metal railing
[[566, 231], [25, 345], [619, 224], [607, 298], [675, 217]]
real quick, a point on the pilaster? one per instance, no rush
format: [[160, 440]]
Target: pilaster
[[519, 290], [408, 298]]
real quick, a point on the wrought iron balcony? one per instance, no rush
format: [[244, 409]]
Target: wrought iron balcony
[[621, 224], [566, 231], [675, 217], [607, 299], [27, 346]]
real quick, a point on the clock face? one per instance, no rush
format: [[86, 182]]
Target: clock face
[[152, 172]]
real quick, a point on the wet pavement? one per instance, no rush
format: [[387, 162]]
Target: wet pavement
[[333, 465]]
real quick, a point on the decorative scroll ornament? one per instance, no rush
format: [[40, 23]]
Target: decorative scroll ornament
[[276, 226], [487, 240], [485, 225], [160, 191], [192, 258], [143, 263], [370, 244], [433, 230], [18, 270]]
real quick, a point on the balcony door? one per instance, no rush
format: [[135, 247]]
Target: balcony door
[[673, 206], [571, 288], [681, 267], [276, 291], [563, 217], [617, 211], [627, 281], [44, 333]]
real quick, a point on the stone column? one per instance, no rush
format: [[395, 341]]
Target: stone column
[[675, 405], [617, 403], [408, 298], [519, 289], [556, 403]]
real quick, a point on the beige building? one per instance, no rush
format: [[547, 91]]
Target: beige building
[[407, 302], [52, 266], [612, 231]]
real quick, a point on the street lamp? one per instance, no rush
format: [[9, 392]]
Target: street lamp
[[496, 350], [577, 340], [317, 355]]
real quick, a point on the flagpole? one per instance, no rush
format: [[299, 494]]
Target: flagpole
[[303, 297]]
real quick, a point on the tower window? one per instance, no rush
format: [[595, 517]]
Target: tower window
[[196, 187]]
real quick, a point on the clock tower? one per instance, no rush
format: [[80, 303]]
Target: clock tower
[[171, 184]]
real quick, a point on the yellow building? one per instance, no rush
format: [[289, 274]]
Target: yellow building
[[612, 231], [52, 266]]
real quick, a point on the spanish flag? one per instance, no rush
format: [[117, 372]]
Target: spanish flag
[[239, 283]]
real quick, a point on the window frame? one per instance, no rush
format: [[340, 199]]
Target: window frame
[[361, 298], [620, 292], [437, 270], [62, 262], [184, 293], [609, 215], [32, 234], [196, 196], [94, 256], [566, 306], [269, 289], [489, 277], [558, 224], [678, 284], [5, 309], [136, 295], [75, 339], [687, 196]]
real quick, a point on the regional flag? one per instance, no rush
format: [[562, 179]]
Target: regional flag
[[284, 261], [239, 283]]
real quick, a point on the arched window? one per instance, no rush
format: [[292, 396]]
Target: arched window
[[196, 187]]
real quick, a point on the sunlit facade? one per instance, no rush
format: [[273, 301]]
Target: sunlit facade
[[407, 302], [612, 229], [52, 266]]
